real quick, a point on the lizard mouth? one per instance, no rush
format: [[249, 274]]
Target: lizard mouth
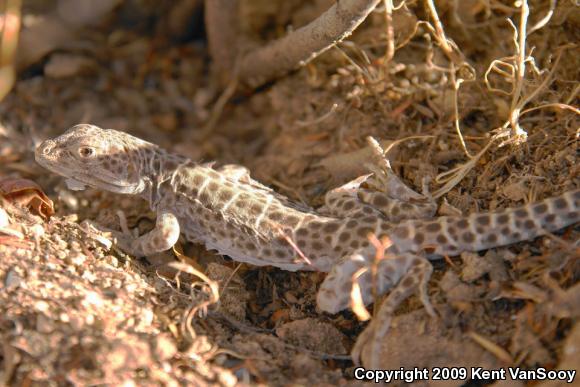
[[78, 181]]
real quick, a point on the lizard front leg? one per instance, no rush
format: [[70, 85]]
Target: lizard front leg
[[161, 238]]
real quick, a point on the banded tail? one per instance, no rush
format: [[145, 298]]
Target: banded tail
[[450, 235]]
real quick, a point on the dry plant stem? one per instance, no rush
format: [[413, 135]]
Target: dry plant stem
[[452, 177], [229, 279], [456, 84], [455, 60], [390, 31], [554, 105], [492, 347], [186, 323], [440, 33], [518, 74], [318, 120], [545, 83], [515, 107], [221, 20], [395, 143], [540, 24], [362, 70], [306, 43], [573, 95]]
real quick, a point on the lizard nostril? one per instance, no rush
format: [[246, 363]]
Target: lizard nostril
[[45, 148]]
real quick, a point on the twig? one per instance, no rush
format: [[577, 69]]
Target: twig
[[318, 120]]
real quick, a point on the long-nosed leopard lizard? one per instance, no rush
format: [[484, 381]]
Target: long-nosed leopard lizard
[[231, 213]]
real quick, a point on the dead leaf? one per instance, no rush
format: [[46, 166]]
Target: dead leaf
[[26, 193]]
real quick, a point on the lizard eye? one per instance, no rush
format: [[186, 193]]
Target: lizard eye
[[85, 151]]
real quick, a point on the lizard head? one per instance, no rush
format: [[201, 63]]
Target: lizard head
[[101, 158]]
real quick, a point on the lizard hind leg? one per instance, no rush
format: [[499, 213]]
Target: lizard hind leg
[[387, 193], [381, 192], [415, 279], [335, 292], [344, 202]]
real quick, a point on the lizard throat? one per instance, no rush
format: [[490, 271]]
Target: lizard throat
[[80, 182]]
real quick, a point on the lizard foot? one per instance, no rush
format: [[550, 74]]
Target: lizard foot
[[387, 193], [161, 238]]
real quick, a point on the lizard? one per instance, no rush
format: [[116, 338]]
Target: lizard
[[230, 212]]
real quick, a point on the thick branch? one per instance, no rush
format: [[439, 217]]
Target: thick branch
[[306, 43]]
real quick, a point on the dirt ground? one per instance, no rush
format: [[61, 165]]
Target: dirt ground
[[74, 310]]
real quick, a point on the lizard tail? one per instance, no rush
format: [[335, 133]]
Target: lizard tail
[[449, 235]]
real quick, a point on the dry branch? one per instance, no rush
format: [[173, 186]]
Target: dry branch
[[306, 43]]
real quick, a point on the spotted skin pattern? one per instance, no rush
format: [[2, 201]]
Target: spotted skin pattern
[[229, 212]]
